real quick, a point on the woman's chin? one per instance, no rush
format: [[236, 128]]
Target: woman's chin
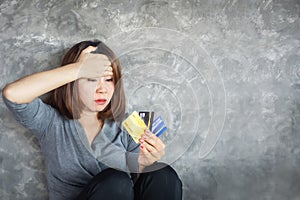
[[100, 108]]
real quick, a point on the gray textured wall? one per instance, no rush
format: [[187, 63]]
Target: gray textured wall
[[231, 59]]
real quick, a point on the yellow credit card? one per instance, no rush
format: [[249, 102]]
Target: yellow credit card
[[135, 126]]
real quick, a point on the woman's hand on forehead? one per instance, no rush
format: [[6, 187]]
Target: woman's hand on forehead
[[108, 72], [93, 65]]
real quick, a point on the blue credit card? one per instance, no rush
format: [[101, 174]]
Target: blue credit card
[[158, 126], [161, 131], [156, 122]]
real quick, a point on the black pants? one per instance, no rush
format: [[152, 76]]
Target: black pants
[[162, 184]]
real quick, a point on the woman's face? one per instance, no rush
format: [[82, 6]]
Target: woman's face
[[96, 93]]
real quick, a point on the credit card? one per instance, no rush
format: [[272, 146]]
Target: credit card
[[156, 122], [135, 126], [147, 117], [161, 131], [158, 126]]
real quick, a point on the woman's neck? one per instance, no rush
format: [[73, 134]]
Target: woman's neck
[[88, 119], [91, 125]]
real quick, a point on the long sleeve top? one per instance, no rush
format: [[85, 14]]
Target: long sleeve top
[[71, 162]]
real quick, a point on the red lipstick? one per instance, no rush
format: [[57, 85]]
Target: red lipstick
[[100, 101]]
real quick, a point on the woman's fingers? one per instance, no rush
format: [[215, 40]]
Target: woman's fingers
[[85, 53], [105, 59], [154, 146], [153, 140], [109, 68], [151, 150], [108, 72], [89, 49]]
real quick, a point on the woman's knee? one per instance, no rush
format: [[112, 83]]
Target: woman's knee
[[113, 178], [114, 183], [165, 176], [162, 183]]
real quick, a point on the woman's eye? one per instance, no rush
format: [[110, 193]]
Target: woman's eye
[[91, 80], [109, 80]]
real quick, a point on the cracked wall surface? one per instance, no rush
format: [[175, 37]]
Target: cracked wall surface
[[225, 76]]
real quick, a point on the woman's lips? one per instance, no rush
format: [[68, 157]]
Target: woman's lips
[[100, 101]]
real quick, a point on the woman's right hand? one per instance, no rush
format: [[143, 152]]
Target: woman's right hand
[[93, 65], [88, 65]]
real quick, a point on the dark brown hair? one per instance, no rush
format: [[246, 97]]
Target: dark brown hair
[[66, 98]]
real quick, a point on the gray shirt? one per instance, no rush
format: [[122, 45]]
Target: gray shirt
[[71, 162]]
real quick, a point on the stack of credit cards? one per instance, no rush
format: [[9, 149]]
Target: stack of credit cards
[[136, 124], [156, 126]]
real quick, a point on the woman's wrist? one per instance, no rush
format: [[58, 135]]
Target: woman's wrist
[[73, 71], [141, 168]]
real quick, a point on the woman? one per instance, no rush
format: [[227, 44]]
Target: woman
[[87, 153]]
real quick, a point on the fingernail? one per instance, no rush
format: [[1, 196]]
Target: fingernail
[[147, 132], [142, 146], [141, 140], [144, 137]]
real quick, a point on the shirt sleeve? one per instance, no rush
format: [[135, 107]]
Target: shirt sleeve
[[36, 115]]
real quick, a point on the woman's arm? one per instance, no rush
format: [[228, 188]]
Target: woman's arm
[[28, 88]]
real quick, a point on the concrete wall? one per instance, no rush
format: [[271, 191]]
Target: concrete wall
[[225, 75]]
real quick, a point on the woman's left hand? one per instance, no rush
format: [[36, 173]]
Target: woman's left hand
[[152, 149]]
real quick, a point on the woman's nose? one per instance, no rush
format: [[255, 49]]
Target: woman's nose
[[101, 86]]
